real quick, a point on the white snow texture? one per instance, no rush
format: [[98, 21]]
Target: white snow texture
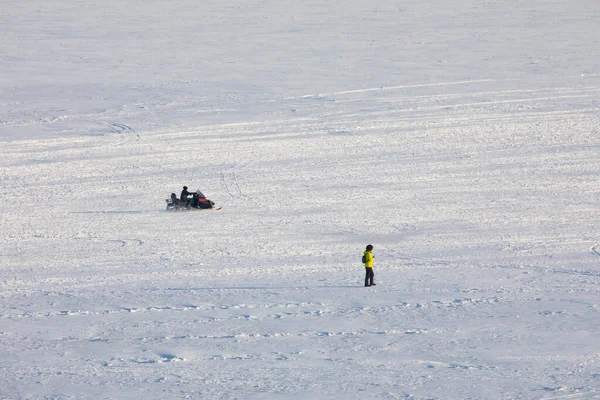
[[460, 138]]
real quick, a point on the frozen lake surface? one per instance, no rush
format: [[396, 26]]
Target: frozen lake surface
[[462, 140]]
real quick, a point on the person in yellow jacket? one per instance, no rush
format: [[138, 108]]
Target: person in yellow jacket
[[368, 258]]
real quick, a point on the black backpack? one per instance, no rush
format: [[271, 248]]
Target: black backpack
[[364, 259]]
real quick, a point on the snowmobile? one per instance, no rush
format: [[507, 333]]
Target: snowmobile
[[197, 202]]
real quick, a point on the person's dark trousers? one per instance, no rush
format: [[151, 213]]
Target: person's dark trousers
[[369, 277]]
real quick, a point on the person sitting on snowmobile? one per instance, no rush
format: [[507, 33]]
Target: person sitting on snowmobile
[[175, 201], [184, 196]]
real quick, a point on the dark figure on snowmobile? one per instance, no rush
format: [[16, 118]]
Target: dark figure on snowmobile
[[185, 194], [175, 202]]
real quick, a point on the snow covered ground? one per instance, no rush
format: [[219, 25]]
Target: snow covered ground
[[460, 138]]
